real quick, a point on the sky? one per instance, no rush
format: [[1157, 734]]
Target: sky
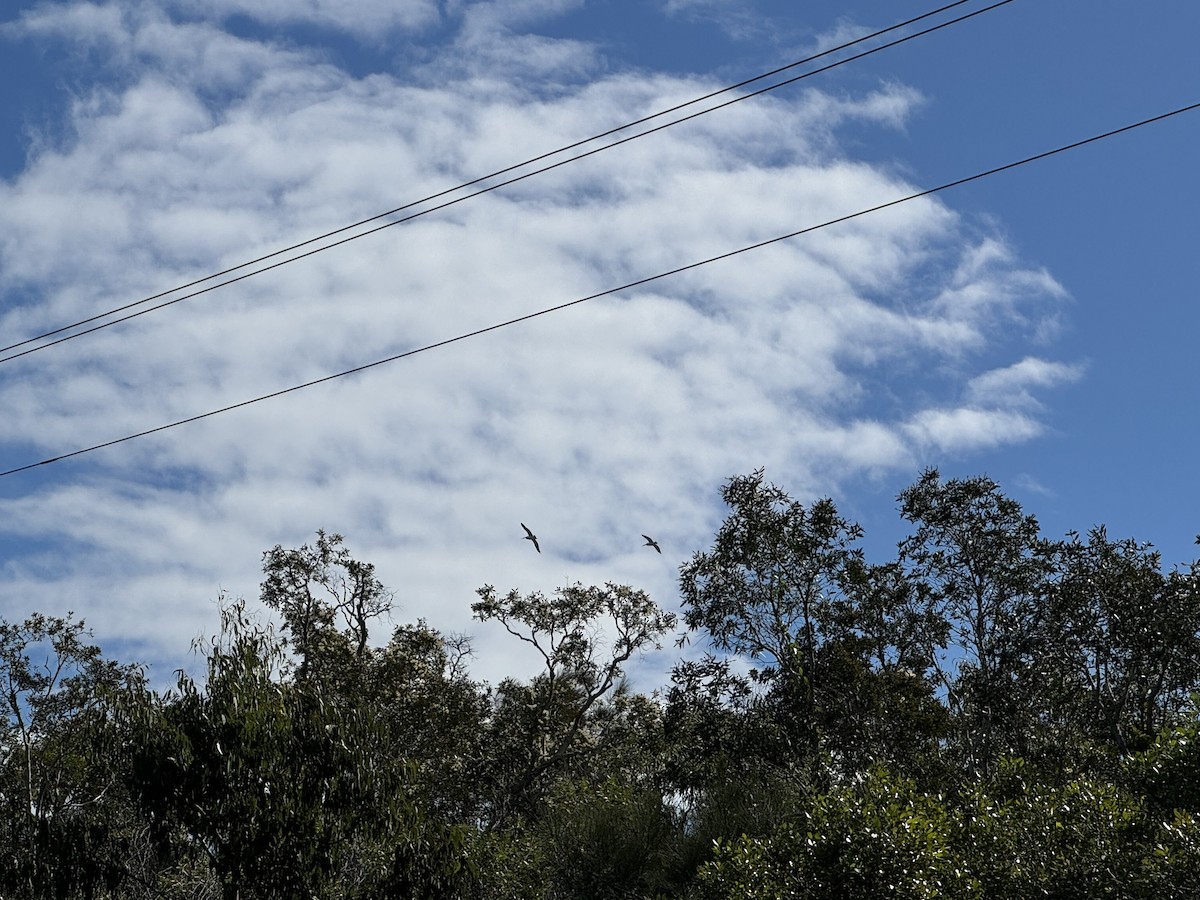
[[1036, 326]]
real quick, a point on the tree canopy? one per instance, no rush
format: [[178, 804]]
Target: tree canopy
[[991, 712]]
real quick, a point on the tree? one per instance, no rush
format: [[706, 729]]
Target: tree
[[876, 837], [712, 728], [422, 694], [983, 568], [312, 587], [880, 699], [605, 841], [770, 589], [286, 792], [556, 719], [65, 826], [1127, 639], [417, 684]]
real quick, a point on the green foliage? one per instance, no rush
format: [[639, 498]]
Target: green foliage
[[604, 841], [1125, 641], [312, 588], [283, 790], [1168, 772], [750, 806], [983, 567], [64, 831], [1023, 838], [1170, 867], [990, 714], [510, 864], [564, 716], [876, 838], [880, 837]]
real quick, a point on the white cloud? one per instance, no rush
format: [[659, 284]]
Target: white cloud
[[1029, 484], [738, 20], [87, 24], [490, 15], [969, 429], [988, 289], [844, 32], [368, 20], [675, 7], [615, 417], [1012, 385]]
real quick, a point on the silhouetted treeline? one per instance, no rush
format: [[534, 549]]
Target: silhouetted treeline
[[990, 713]]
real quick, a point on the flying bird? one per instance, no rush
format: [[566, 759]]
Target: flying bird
[[530, 536], [651, 542]]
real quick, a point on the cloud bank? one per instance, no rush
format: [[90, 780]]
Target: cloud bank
[[856, 349]]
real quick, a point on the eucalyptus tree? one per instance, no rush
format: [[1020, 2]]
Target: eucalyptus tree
[[417, 684], [316, 588], [984, 568], [769, 589], [65, 819], [839, 648], [569, 714], [421, 691], [284, 790], [1127, 636], [770, 592]]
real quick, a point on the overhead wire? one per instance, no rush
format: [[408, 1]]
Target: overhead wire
[[624, 287], [483, 178], [490, 188]]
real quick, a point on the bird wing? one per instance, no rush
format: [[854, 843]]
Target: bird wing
[[528, 532]]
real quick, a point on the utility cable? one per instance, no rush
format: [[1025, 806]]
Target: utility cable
[[605, 293], [416, 215]]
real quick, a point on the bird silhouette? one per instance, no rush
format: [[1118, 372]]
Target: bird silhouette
[[530, 536], [651, 542]]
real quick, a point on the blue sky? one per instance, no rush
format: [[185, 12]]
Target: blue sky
[[1038, 326]]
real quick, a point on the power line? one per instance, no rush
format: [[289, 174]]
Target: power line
[[480, 179], [605, 293], [485, 190]]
